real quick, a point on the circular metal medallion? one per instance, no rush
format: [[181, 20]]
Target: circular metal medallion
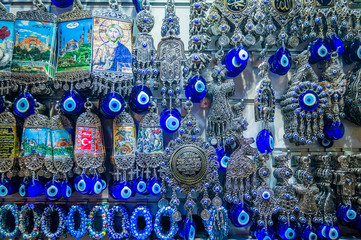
[[283, 6], [236, 6], [189, 164]]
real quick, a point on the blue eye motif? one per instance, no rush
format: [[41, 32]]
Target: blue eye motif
[[170, 120], [24, 105], [126, 192], [265, 141], [82, 184], [280, 62], [196, 88], [359, 52], [239, 215], [112, 104], [192, 233], [71, 102], [66, 189], [187, 229], [235, 62], [243, 54], [4, 191], [308, 100], [351, 214], [115, 105], [290, 233], [52, 190], [139, 99], [266, 195], [200, 86], [104, 184], [322, 51], [98, 187], [333, 233], [224, 161], [312, 236], [325, 142], [22, 190], [141, 186], [154, 186], [143, 98], [243, 218], [284, 61]]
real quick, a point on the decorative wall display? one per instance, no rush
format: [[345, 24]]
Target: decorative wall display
[[352, 97]]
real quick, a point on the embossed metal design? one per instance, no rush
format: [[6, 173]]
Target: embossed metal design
[[353, 96]]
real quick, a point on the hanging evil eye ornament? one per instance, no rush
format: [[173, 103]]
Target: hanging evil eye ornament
[[71, 102], [35, 69], [334, 130], [139, 99], [187, 229], [74, 49], [170, 120], [236, 61], [265, 233], [62, 3], [140, 185], [223, 155], [286, 231], [89, 150], [211, 225], [336, 44], [346, 213], [82, 184], [353, 52], [196, 88], [280, 62], [240, 215], [96, 185], [265, 141], [7, 26], [320, 50], [53, 190], [66, 189], [24, 104], [123, 155], [112, 104], [154, 186], [307, 233]]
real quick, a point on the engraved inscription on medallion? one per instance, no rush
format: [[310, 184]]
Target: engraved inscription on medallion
[[354, 3], [283, 6], [236, 6], [324, 3]]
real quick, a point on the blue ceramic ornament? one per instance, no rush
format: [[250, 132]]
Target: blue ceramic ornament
[[322, 231], [187, 229], [96, 185], [196, 88], [346, 213], [121, 190], [82, 184], [23, 188], [140, 185], [265, 141], [24, 105], [325, 142], [139, 99], [222, 158], [334, 130], [333, 233], [62, 3], [71, 102], [308, 100], [35, 188], [154, 186], [53, 190], [286, 231], [308, 233], [336, 44], [66, 190], [170, 120], [5, 188], [240, 215], [320, 50], [236, 61], [112, 104], [280, 62]]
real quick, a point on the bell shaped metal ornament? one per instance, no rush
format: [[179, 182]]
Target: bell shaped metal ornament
[[7, 29], [74, 49], [89, 150], [35, 150], [112, 48], [33, 62], [9, 146]]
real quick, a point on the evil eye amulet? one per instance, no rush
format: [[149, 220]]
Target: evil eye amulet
[[139, 99], [320, 50], [333, 233], [140, 185], [82, 184], [170, 120], [346, 213], [23, 188], [265, 141], [196, 88], [24, 105], [53, 190], [308, 234], [62, 3], [240, 216], [286, 232], [336, 44], [35, 188], [112, 104], [325, 142], [121, 190], [308, 100], [280, 62], [5, 188], [264, 234], [322, 230], [236, 61], [66, 189], [71, 102], [334, 130], [223, 158], [96, 185], [154, 186], [187, 229]]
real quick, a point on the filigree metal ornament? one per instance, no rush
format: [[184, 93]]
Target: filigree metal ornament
[[303, 104], [170, 56], [112, 61], [9, 143], [75, 34], [191, 167], [143, 50], [353, 96], [37, 68]]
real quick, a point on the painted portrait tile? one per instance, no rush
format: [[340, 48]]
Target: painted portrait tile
[[112, 45], [7, 33]]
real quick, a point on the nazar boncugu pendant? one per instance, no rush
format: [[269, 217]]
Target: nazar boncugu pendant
[[7, 25], [74, 49], [9, 146], [190, 167], [33, 65]]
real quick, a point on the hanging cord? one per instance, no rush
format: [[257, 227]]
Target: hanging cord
[[114, 5], [39, 5]]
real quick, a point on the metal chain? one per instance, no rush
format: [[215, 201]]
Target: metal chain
[[114, 4], [39, 5]]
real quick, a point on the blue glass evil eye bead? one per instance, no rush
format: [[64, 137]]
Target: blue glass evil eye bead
[[334, 130], [139, 99], [5, 188], [236, 61], [187, 229], [355, 51], [140, 185], [96, 185], [66, 189], [223, 158], [23, 188], [24, 105], [325, 142], [240, 215], [280, 62], [71, 102], [121, 190], [154, 186], [196, 88], [308, 234], [286, 232], [308, 100], [62, 3], [336, 44], [322, 231], [333, 233], [264, 234], [53, 190], [320, 50], [265, 141], [82, 184], [170, 120], [346, 213], [35, 188], [112, 104]]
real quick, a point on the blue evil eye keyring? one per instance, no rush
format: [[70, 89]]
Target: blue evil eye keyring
[[140, 99], [214, 226], [24, 104], [125, 227], [136, 232], [280, 62], [196, 88], [71, 102], [112, 104], [236, 61], [70, 222], [170, 120]]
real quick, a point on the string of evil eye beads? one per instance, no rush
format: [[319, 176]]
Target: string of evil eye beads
[[4, 220], [136, 232], [46, 221], [24, 215], [209, 224], [165, 211], [125, 222], [92, 232], [70, 224]]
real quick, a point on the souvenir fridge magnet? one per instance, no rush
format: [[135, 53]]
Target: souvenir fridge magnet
[[7, 35], [34, 53]]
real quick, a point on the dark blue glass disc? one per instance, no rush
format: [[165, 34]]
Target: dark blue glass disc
[[334, 130], [62, 3], [71, 102], [139, 99], [240, 215], [170, 120], [265, 141], [24, 105], [320, 50], [280, 62], [112, 104], [308, 100], [53, 190], [196, 88]]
